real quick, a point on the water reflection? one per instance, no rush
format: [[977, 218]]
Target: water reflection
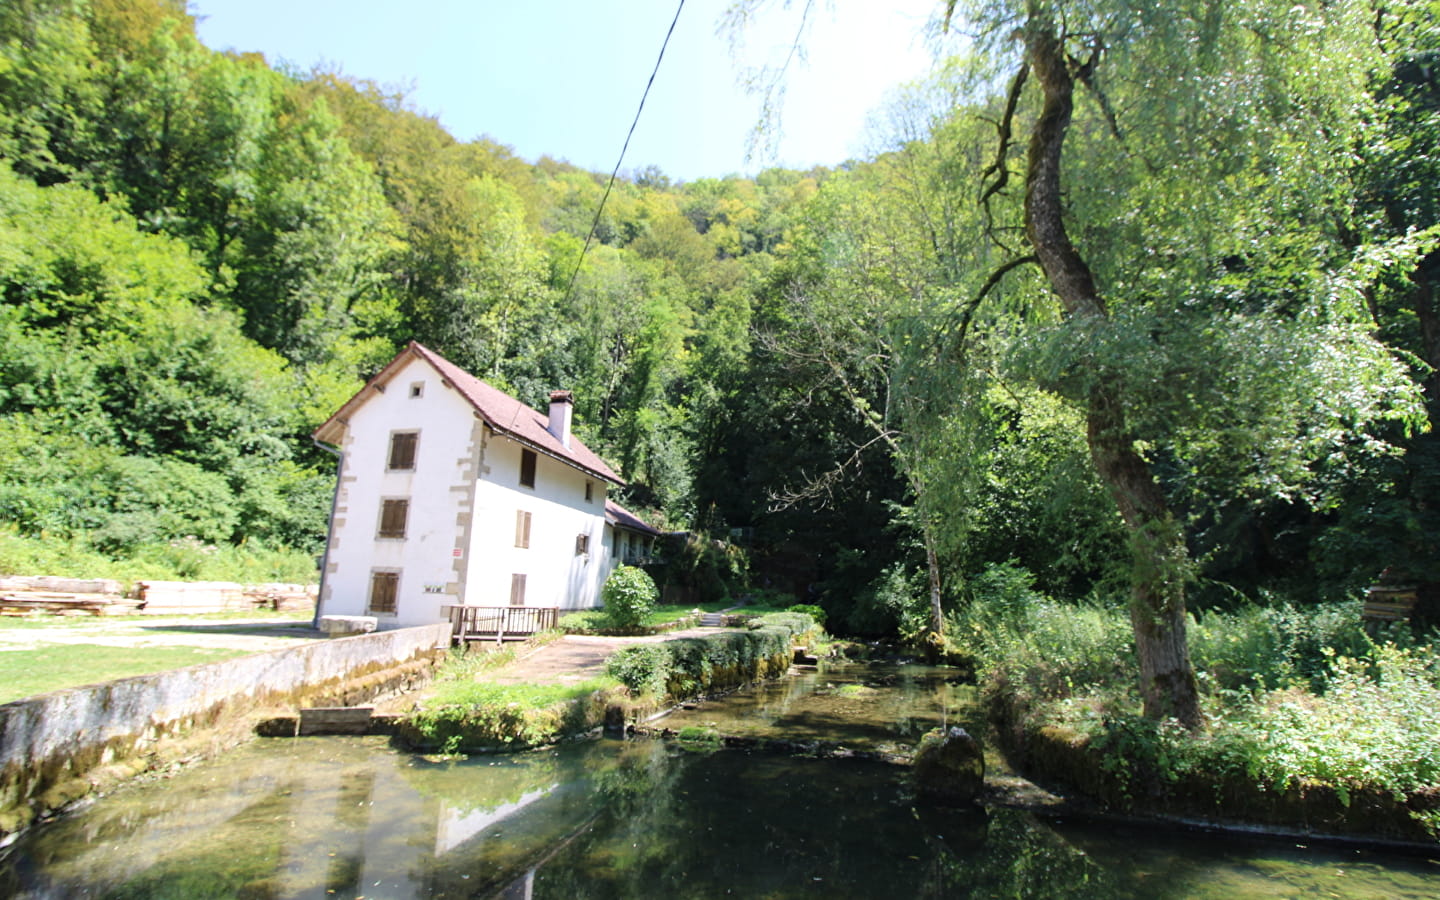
[[346, 817]]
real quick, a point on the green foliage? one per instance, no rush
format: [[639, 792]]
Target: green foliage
[[473, 715], [1276, 646], [685, 667], [895, 603], [182, 559], [585, 621], [629, 595], [811, 610]]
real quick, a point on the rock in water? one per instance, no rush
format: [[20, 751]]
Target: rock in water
[[949, 767]]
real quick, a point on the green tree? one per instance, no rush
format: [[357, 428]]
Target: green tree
[[1172, 226]]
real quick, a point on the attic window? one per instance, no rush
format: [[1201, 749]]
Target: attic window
[[402, 449], [417, 390], [589, 492], [527, 468]]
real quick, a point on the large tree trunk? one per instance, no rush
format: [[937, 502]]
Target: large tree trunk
[[1157, 604]]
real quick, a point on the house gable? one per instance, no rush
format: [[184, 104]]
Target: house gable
[[433, 507]]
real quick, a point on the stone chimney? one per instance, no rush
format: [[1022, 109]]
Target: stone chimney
[[562, 405]]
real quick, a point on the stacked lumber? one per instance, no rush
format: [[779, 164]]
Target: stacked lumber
[[283, 597], [172, 597], [23, 595], [1389, 604]]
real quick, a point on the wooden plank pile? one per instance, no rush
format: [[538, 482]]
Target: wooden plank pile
[[171, 597], [282, 597], [1389, 604], [24, 595], [27, 595]]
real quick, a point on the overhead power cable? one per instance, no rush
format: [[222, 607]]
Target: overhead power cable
[[594, 225]]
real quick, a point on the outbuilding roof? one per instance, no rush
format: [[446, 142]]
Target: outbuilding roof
[[621, 517], [502, 412]]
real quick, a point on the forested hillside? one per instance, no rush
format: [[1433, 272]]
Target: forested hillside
[[864, 374]]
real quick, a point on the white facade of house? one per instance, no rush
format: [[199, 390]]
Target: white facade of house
[[471, 533]]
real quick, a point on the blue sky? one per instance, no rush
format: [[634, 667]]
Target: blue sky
[[563, 78]]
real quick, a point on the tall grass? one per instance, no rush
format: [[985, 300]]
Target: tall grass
[[1291, 693], [180, 560]]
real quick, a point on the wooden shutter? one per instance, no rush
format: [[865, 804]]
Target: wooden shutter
[[527, 468], [517, 590], [582, 544], [383, 588], [402, 450], [522, 528], [393, 516]]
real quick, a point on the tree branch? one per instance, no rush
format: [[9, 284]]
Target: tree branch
[[1000, 168]]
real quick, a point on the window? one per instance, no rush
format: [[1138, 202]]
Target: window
[[417, 390], [517, 590], [393, 514], [522, 528], [383, 588], [402, 449], [527, 468], [589, 491], [582, 544]]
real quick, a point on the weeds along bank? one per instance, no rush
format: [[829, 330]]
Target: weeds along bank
[[468, 714], [1309, 722]]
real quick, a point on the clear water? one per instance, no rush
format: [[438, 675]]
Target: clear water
[[351, 818], [860, 706]]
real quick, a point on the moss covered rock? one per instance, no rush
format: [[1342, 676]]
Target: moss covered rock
[[949, 767]]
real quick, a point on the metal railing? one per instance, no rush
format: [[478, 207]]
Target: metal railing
[[499, 623]]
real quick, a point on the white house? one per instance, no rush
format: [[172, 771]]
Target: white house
[[453, 492]]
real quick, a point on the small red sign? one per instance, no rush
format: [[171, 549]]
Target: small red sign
[[457, 552]]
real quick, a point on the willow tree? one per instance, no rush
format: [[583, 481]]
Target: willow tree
[[1185, 171]]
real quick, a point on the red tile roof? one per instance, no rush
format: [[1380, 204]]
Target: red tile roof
[[616, 514], [500, 411]]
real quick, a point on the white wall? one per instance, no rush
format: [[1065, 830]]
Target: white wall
[[555, 574], [437, 490]]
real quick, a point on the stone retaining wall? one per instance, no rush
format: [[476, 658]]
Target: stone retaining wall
[[55, 748]]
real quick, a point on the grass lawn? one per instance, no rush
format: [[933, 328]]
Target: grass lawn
[[24, 673]]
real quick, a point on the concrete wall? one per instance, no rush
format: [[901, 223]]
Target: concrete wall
[[57, 747]]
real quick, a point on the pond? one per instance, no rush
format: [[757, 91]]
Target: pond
[[351, 817]]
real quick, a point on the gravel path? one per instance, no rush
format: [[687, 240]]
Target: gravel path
[[253, 635]]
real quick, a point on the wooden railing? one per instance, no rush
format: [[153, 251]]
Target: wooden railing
[[499, 623]]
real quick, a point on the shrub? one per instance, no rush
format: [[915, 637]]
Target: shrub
[[629, 596], [585, 621], [688, 666], [1270, 647], [810, 610]]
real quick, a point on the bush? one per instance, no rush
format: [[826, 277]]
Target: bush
[[688, 666], [811, 610], [629, 596], [585, 621]]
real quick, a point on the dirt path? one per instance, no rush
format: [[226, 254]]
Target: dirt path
[[576, 658], [253, 635]]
